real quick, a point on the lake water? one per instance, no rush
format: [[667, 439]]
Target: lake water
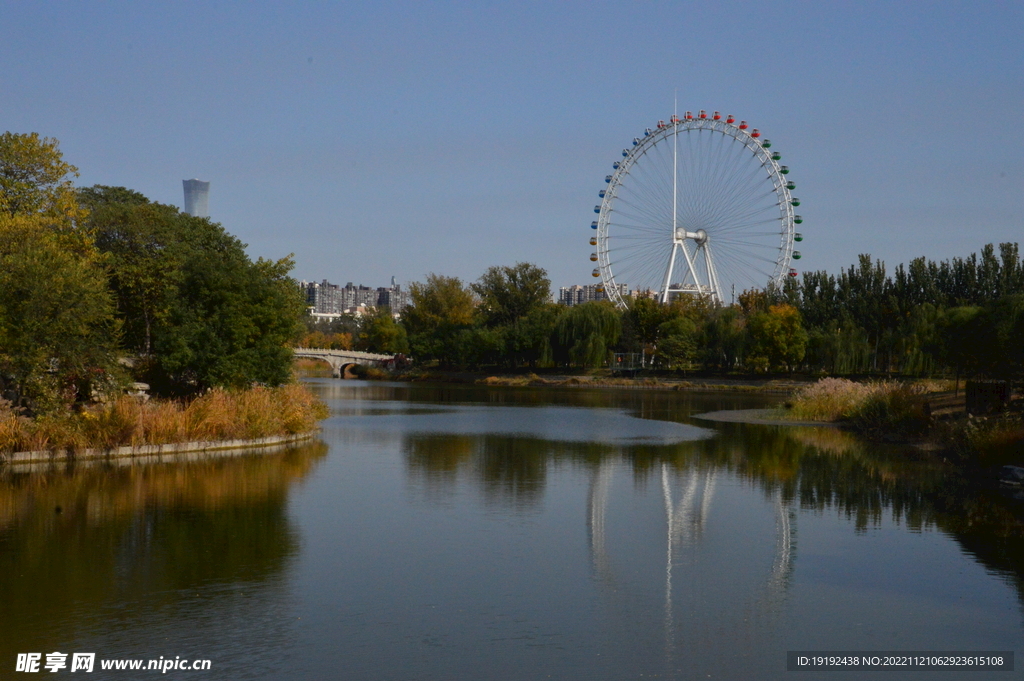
[[448, 532]]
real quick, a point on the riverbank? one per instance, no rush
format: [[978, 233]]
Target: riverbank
[[748, 384], [920, 413], [40, 460], [128, 424]]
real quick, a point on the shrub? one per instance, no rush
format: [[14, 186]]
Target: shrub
[[892, 409]]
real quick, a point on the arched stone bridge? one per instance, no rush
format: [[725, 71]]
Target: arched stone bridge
[[342, 361]]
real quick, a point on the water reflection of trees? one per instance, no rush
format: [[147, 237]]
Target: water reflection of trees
[[74, 541], [815, 469]]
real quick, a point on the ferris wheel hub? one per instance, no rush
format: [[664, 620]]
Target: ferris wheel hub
[[700, 236]]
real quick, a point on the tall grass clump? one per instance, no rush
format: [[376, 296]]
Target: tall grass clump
[[986, 440], [883, 407], [216, 415], [891, 409], [830, 399]]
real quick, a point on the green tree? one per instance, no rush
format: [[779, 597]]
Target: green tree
[[57, 328], [512, 302], [440, 311], [778, 338], [379, 332], [961, 339], [641, 324], [147, 257], [35, 178], [233, 321], [196, 309], [997, 337], [677, 347]]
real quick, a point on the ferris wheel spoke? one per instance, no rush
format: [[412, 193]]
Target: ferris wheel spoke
[[741, 210], [644, 214], [748, 221]]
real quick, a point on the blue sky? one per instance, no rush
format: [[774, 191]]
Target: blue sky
[[380, 138]]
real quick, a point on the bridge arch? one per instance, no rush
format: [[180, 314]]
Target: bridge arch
[[343, 361]]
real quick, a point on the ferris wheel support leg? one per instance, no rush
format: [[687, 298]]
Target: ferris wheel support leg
[[668, 273], [709, 260], [689, 263]]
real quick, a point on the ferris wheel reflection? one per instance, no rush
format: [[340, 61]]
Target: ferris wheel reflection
[[688, 497]]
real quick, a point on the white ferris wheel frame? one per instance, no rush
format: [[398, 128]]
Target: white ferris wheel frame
[[702, 242]]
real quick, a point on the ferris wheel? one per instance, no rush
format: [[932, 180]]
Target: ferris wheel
[[697, 206]]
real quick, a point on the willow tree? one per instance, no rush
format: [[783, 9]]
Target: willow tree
[[585, 333]]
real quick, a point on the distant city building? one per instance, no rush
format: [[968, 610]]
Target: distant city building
[[325, 299], [577, 295], [197, 198]]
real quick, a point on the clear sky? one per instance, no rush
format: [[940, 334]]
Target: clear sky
[[373, 139]]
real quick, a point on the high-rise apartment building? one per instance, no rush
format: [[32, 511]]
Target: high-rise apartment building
[[197, 198], [576, 295], [327, 299]]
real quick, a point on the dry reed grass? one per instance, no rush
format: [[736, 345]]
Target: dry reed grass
[[216, 415], [879, 406]]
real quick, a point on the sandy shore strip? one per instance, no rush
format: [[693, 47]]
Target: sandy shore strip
[[760, 417]]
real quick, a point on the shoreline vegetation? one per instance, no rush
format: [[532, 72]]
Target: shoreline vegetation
[[903, 412], [102, 289], [217, 415], [913, 412]]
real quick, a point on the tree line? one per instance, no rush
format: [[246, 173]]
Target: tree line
[[100, 286], [961, 316]]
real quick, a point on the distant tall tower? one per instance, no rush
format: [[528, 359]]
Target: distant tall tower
[[197, 198]]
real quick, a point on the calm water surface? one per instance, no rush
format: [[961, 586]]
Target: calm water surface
[[439, 532]]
